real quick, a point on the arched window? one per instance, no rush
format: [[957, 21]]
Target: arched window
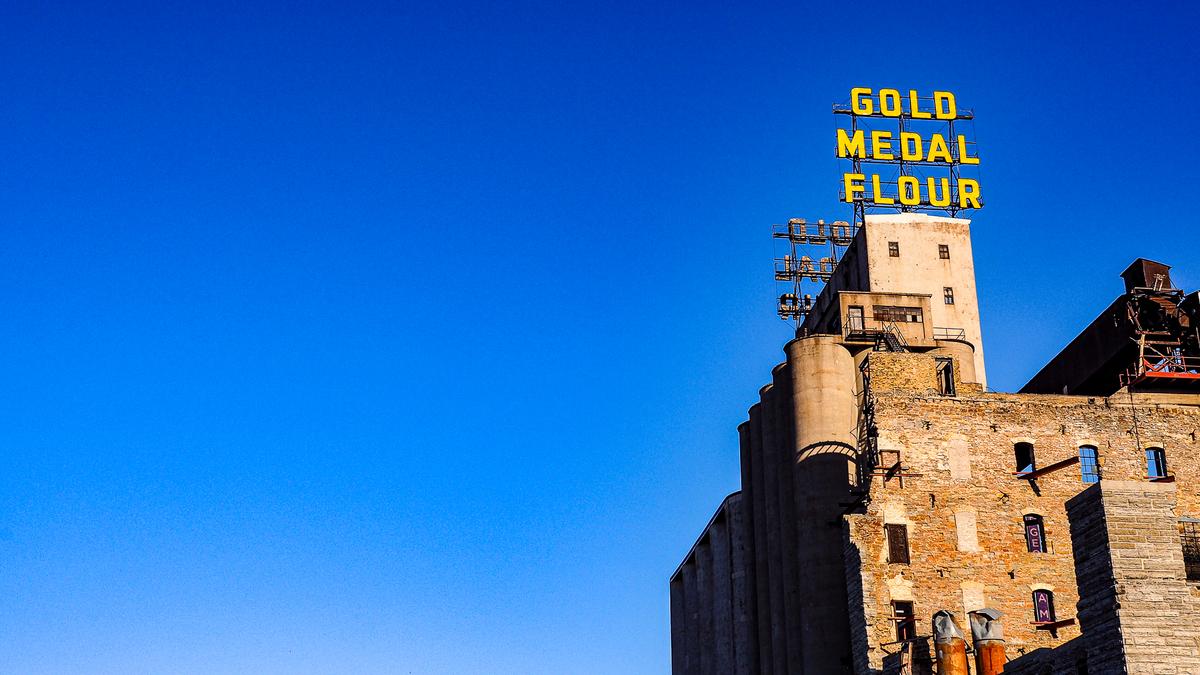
[[1089, 464], [1043, 606], [1035, 534], [1024, 454], [1156, 463]]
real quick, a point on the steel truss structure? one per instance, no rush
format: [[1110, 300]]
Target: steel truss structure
[[904, 167]]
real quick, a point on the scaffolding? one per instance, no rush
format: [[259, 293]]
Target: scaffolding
[[1167, 345]]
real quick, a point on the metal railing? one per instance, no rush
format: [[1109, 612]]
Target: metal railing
[[858, 329], [1175, 365], [949, 334]]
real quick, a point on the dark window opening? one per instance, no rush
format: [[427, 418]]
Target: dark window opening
[[1089, 464], [894, 249], [897, 314], [906, 620], [943, 251], [1025, 461], [897, 541], [948, 295], [1156, 462], [1189, 532], [945, 377], [1035, 534], [1043, 606]]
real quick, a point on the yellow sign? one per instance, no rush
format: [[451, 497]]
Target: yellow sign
[[904, 144]]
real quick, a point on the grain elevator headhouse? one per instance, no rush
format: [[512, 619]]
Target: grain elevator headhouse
[[897, 516]]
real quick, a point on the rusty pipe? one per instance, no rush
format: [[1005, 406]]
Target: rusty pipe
[[988, 636], [949, 645]]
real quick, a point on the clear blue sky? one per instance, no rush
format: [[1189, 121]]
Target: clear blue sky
[[403, 339]]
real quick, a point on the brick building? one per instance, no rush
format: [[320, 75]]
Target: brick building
[[883, 482]]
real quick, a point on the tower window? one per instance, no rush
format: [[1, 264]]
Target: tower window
[[897, 541], [891, 314], [943, 251], [1035, 534], [906, 620], [1156, 463], [854, 318], [945, 377], [1043, 606], [948, 295], [1089, 464], [894, 249], [1025, 460]]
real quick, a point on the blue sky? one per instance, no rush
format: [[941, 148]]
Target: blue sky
[[393, 338]]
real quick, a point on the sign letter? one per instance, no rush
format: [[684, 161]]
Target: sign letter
[[851, 184], [938, 152], [910, 191], [881, 144], [968, 193], [878, 197], [943, 105], [912, 149], [914, 109], [962, 152], [889, 103], [934, 199], [847, 145], [861, 102]]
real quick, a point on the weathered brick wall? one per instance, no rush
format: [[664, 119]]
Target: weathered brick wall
[[964, 512], [902, 371], [909, 372]]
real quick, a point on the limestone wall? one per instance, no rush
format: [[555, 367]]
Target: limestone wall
[[1138, 612], [964, 511], [793, 578]]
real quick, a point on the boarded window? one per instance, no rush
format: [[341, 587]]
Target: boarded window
[[898, 314], [894, 249], [1025, 460], [943, 251], [967, 529], [960, 459], [906, 620], [1156, 462], [854, 318], [1043, 606], [1089, 464], [1035, 534], [897, 540]]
